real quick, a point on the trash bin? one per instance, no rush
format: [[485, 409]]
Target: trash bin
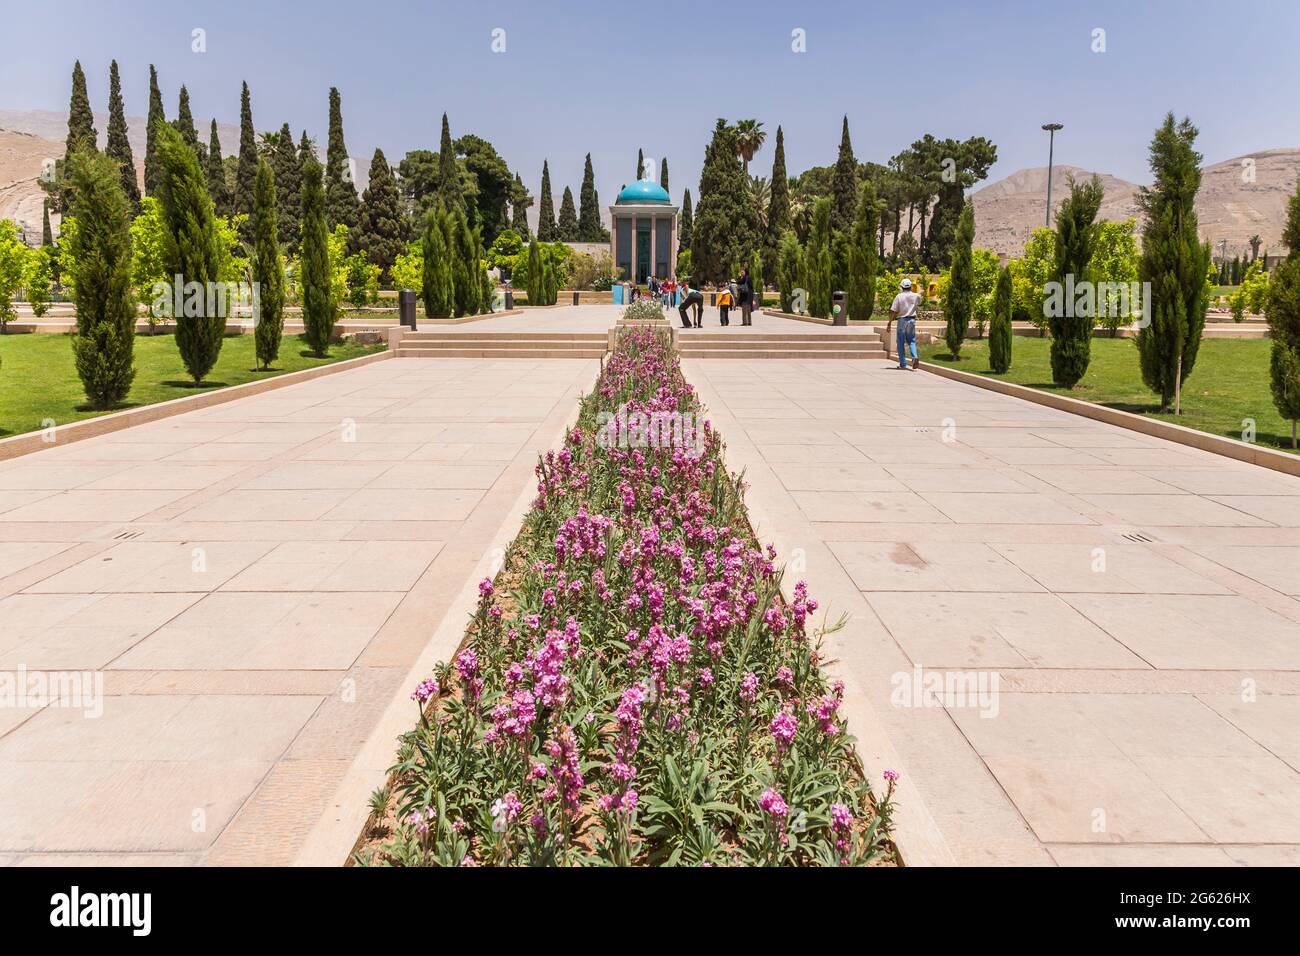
[[839, 309], [406, 308], [575, 296], [510, 299]]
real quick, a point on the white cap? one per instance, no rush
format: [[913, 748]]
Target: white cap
[[907, 283]]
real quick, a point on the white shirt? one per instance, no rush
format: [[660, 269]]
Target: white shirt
[[904, 305]]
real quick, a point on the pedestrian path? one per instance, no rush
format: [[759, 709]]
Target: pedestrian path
[[252, 582], [1114, 619]]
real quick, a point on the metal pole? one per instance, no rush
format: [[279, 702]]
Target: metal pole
[[1051, 142]]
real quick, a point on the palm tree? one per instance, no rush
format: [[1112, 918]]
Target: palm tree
[[1255, 243], [761, 192], [750, 137]]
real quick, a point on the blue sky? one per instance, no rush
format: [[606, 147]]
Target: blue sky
[[613, 77]]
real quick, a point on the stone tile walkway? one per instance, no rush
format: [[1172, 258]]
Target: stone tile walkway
[[253, 581], [1116, 618]]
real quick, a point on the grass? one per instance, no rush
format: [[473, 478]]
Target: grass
[[38, 379], [1229, 384]]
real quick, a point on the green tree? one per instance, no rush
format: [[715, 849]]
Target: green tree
[[156, 116], [778, 208], [184, 122], [1174, 262], [589, 224], [382, 229], [568, 224], [105, 339], [547, 230], [464, 264], [686, 224], [1283, 311], [246, 177], [149, 261], [489, 185], [748, 137], [118, 147], [726, 229], [47, 234], [790, 271], [215, 170], [267, 271], [663, 173], [640, 164], [319, 304], [1114, 267], [864, 262], [519, 203], [287, 166], [535, 276], [436, 279], [341, 205], [13, 269], [1071, 317], [1000, 326], [960, 298], [820, 262], [193, 251], [81, 121], [844, 184], [38, 281], [449, 190]]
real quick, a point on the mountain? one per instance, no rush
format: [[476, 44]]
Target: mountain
[[1239, 198]]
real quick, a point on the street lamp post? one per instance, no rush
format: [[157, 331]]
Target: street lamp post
[[1051, 141]]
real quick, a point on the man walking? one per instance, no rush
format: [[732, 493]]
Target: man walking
[[903, 309], [746, 297]]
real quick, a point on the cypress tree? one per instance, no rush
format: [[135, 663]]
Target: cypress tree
[[436, 280], [381, 231], [287, 168], [844, 184], [341, 203], [640, 164], [663, 173], [449, 184], [863, 259], [756, 278], [547, 230], [118, 147], [216, 174], [1174, 262], [519, 203], [960, 300], [184, 121], [726, 228], [1283, 312], [81, 121], [686, 224], [778, 208], [1076, 236], [47, 234], [789, 270], [105, 337], [819, 265], [156, 115], [246, 177], [266, 268], [1000, 325], [463, 263], [568, 224], [535, 277], [319, 309], [191, 250], [589, 225]]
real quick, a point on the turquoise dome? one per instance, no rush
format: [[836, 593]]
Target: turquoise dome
[[641, 192]]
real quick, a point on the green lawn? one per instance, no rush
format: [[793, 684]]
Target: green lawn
[[38, 379], [1230, 382]]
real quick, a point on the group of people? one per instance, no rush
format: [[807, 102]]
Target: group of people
[[736, 294]]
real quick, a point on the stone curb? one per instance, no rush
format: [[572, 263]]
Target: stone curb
[[1182, 435], [29, 442]]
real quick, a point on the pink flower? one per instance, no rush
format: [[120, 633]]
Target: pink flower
[[749, 687], [890, 775], [427, 689], [783, 728], [773, 805], [485, 588]]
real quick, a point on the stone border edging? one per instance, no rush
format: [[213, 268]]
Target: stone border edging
[[1180, 434], [25, 444], [342, 824]]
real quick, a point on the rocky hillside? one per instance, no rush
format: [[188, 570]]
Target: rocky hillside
[[1238, 199]]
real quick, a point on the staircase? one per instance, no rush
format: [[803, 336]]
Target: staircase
[[534, 345], [745, 343]]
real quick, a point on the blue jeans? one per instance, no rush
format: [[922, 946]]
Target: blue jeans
[[906, 339]]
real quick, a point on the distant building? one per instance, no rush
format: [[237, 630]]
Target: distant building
[[643, 233]]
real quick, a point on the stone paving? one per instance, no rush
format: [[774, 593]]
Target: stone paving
[[1126, 611], [254, 582]]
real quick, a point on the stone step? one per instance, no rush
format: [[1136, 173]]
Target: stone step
[[739, 335], [802, 354], [867, 346], [471, 351], [583, 337]]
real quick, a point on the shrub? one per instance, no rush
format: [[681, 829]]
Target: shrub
[[319, 305], [643, 310], [1000, 325]]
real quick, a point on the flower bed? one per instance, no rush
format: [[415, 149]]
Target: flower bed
[[633, 688]]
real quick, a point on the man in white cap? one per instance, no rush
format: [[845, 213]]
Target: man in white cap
[[903, 309]]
